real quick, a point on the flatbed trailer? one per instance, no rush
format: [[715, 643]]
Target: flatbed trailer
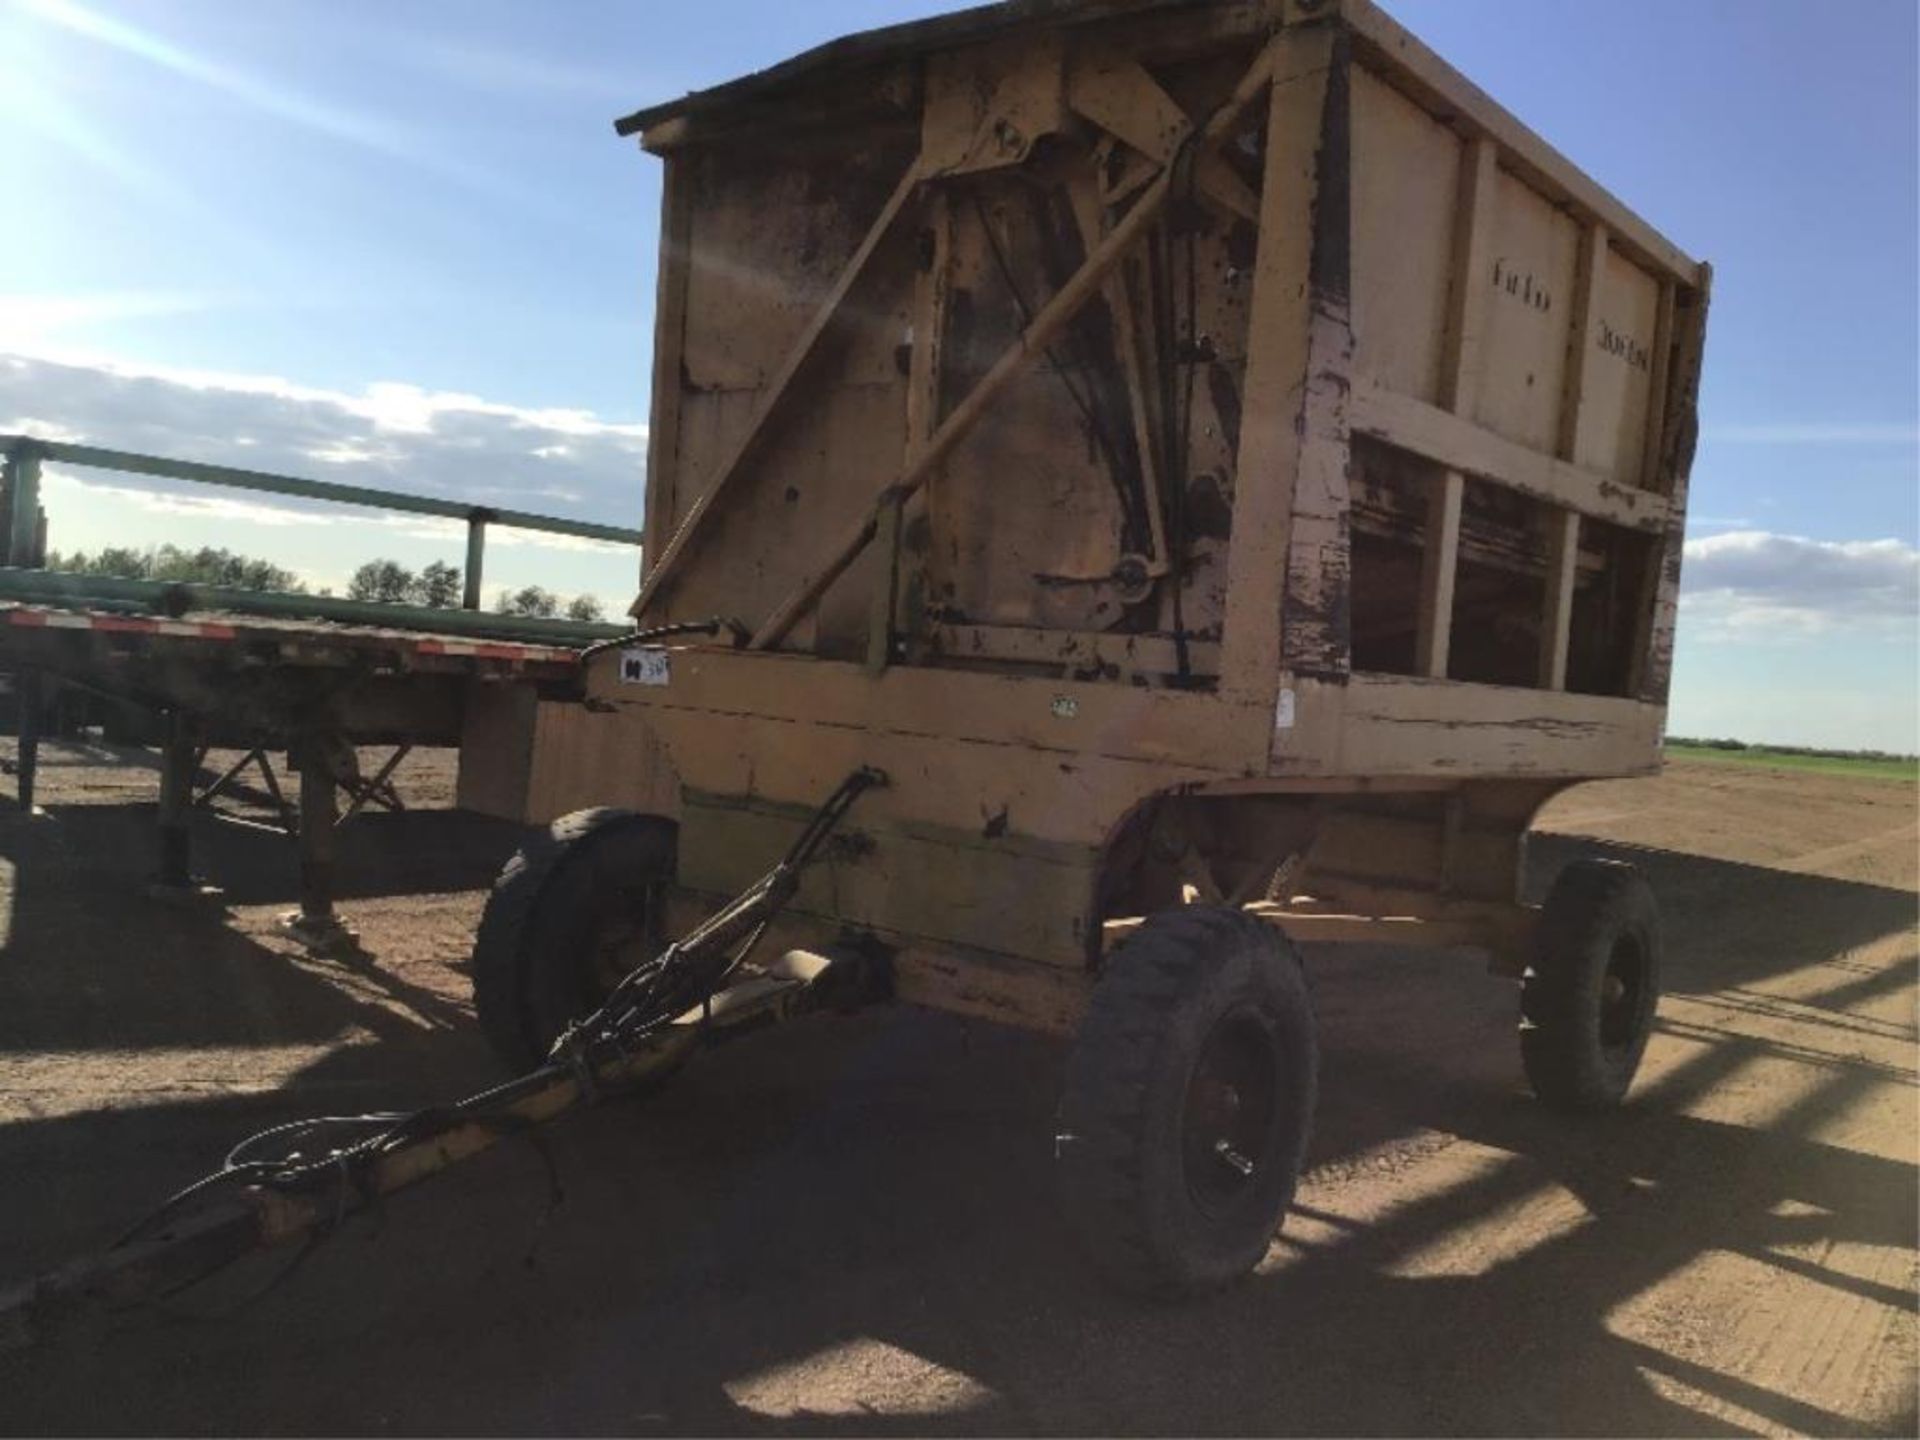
[[309, 690], [193, 666], [1162, 484]]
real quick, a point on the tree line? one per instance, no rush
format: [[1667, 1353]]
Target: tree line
[[435, 585], [439, 584], [205, 566]]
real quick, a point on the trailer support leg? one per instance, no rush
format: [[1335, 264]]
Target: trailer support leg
[[179, 759], [28, 757], [315, 924], [180, 755]]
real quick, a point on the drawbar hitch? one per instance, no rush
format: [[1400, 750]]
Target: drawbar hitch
[[300, 1181]]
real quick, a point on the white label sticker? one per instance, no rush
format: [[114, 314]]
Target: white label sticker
[[644, 665], [1283, 712]]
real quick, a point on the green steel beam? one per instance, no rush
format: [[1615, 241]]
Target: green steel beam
[[23, 490], [162, 597], [476, 557], [61, 452]]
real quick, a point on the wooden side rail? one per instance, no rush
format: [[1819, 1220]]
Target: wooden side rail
[[1458, 444]]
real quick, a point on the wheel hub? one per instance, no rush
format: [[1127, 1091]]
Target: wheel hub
[[1620, 992], [623, 937], [1227, 1121]]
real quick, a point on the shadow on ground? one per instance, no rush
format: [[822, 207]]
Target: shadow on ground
[[879, 1186]]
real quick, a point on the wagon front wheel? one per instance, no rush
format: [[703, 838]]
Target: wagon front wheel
[[1188, 1100], [570, 915], [1588, 997]]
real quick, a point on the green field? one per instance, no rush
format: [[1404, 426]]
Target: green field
[[1826, 762]]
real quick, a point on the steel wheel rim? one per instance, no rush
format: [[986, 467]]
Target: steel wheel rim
[[623, 935], [1227, 1119], [1622, 992]]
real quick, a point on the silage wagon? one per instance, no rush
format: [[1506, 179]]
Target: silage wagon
[[1134, 488]]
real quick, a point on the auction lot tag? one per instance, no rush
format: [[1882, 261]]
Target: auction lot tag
[[644, 665]]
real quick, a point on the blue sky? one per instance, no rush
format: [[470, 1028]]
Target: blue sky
[[398, 243]]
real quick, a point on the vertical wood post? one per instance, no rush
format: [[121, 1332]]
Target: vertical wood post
[[1658, 603], [886, 542], [1461, 363], [1556, 623], [1439, 565], [1464, 359], [1563, 526], [1280, 362], [1657, 386], [669, 346], [1589, 272]]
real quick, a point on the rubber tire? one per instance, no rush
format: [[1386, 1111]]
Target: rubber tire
[[530, 959], [1593, 905], [1118, 1147]]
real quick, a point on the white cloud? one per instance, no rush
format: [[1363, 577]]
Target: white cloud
[[62, 481], [388, 436], [1753, 584]]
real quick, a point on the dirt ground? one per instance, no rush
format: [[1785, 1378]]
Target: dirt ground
[[847, 1226]]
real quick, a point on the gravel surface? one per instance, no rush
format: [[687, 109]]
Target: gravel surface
[[847, 1227]]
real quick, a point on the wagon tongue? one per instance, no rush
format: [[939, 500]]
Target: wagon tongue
[[701, 991]]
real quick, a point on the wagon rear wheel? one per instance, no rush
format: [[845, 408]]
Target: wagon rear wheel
[[1588, 997], [570, 915], [1188, 1100]]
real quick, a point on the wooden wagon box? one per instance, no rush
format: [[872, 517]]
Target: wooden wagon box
[[1201, 449], [1134, 486]]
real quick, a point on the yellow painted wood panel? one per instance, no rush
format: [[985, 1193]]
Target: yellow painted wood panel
[[1528, 309], [1618, 374], [966, 785], [1406, 168], [1383, 43], [1192, 729], [583, 758], [1447, 440], [753, 286], [997, 897], [1393, 725], [496, 750]]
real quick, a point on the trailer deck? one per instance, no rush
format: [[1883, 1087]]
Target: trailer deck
[[191, 667], [313, 689]]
